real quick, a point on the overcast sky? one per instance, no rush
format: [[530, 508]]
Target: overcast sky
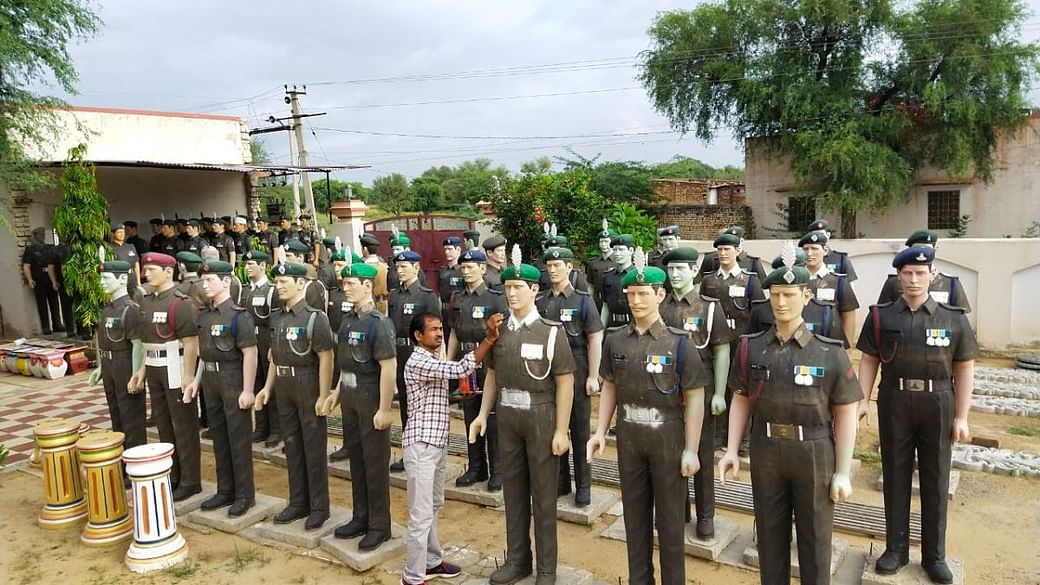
[[234, 57]]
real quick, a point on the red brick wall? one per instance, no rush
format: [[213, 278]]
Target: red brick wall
[[695, 191], [704, 221]]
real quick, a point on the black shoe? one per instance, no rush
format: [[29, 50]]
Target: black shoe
[[259, 436], [938, 571], [582, 497], [315, 520], [563, 488], [494, 483], [397, 466], [891, 562], [217, 501], [352, 529], [206, 434], [471, 477], [183, 492], [705, 528], [339, 454], [241, 506], [58, 329], [289, 514], [508, 574], [47, 332], [373, 539], [272, 440]]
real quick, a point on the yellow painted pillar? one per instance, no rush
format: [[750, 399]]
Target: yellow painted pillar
[[109, 518], [63, 488]]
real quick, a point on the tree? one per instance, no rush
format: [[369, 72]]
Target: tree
[[34, 39], [860, 95], [259, 152], [426, 196], [390, 192], [81, 221]]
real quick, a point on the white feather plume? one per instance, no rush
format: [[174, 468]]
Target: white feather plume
[[605, 224], [339, 242], [788, 254], [323, 234], [516, 257], [101, 254], [394, 231], [284, 250], [545, 228], [162, 216], [639, 260], [215, 216], [552, 230]]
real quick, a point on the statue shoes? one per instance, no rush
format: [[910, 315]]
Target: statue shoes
[[315, 520], [183, 492], [494, 483], [508, 574], [545, 579], [259, 436], [272, 440], [471, 477], [938, 571], [373, 539], [563, 487], [397, 466], [891, 562], [352, 529], [241, 506], [217, 501], [339, 454], [705, 528], [289, 514], [582, 497]]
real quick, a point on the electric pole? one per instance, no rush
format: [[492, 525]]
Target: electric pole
[[292, 98]]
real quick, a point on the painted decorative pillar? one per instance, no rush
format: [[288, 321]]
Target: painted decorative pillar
[[157, 544], [65, 505], [109, 518]]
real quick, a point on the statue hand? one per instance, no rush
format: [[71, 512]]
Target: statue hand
[[841, 487], [691, 464], [477, 428], [961, 433], [595, 446], [560, 443], [729, 462], [95, 377], [135, 384], [189, 392], [260, 401], [591, 386], [493, 324], [330, 403], [246, 400], [381, 420], [718, 404]]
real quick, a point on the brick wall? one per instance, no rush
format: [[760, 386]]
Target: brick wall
[[695, 191], [704, 221]]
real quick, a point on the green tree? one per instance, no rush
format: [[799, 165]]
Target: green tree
[[686, 167], [81, 221], [860, 95], [426, 196], [259, 152], [390, 192], [34, 39], [542, 164]]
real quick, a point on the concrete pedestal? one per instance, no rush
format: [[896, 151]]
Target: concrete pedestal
[[726, 532], [294, 533], [64, 505], [348, 553], [601, 500], [838, 549], [475, 494], [911, 574], [109, 517], [265, 507]]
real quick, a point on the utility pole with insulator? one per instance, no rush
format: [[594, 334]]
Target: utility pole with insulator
[[292, 97]]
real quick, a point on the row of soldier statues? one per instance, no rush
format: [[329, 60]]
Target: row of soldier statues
[[296, 341]]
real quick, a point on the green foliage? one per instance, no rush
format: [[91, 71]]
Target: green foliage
[[259, 152], [34, 36], [426, 196], [961, 231], [81, 221], [627, 219], [860, 95], [1021, 431], [390, 192], [871, 458]]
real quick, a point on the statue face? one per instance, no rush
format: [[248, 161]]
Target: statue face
[[214, 284], [644, 300], [498, 255], [814, 254], [255, 269], [472, 272], [788, 302], [559, 271], [407, 271], [289, 287], [337, 268], [916, 279], [293, 258], [519, 294], [668, 242], [622, 255], [604, 246], [680, 274], [111, 283], [451, 253], [156, 275], [395, 250], [357, 290]]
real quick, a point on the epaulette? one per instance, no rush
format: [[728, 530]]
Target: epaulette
[[708, 299], [312, 309], [954, 308], [550, 322], [760, 301], [616, 328], [826, 339], [883, 305], [582, 292], [611, 269], [813, 300], [678, 331], [425, 289], [180, 294], [494, 291]]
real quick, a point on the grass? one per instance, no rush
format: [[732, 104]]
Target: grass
[[28, 566], [185, 570], [872, 458], [1023, 431], [242, 559]]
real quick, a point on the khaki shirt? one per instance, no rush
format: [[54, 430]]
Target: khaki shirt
[[291, 344], [469, 312], [223, 331], [119, 324], [166, 316], [576, 313], [518, 356]]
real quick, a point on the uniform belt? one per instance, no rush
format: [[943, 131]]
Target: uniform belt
[[643, 415], [160, 353], [522, 399], [914, 385], [620, 318], [289, 371], [468, 345], [404, 341], [112, 354], [216, 367], [796, 432]]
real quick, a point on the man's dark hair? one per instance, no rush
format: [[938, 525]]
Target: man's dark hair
[[418, 324]]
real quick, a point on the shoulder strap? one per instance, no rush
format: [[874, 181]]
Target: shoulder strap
[[742, 355], [584, 308], [827, 316], [954, 289], [234, 324], [371, 333], [750, 286], [680, 359], [310, 325], [840, 293]]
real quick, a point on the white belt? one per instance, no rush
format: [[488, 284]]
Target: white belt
[[642, 415], [513, 398]]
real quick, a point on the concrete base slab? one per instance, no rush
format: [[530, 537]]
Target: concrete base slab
[[915, 486], [463, 555], [348, 553], [564, 576], [616, 530], [725, 533], [451, 471], [206, 445], [601, 499], [340, 469], [911, 574], [277, 457], [185, 507], [265, 506], [838, 550], [475, 494], [294, 534], [617, 509]]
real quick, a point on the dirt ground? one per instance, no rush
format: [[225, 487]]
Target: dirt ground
[[994, 526]]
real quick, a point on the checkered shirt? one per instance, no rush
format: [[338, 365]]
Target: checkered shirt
[[426, 379]]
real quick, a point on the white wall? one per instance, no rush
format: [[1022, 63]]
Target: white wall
[[132, 135], [1001, 279]]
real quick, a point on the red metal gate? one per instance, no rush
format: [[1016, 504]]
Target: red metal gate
[[426, 233]]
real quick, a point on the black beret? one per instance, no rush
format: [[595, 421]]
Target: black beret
[[916, 255], [494, 242], [680, 255], [817, 237]]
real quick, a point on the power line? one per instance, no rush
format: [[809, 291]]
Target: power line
[[485, 99]]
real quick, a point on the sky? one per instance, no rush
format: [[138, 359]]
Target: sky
[[510, 81]]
